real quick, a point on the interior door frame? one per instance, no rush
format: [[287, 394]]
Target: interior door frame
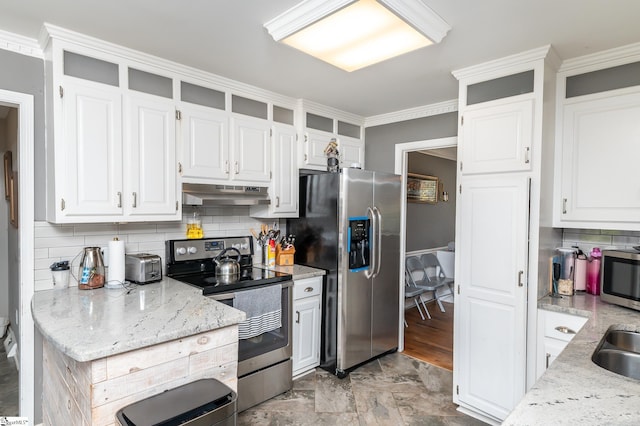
[[24, 103], [401, 152]]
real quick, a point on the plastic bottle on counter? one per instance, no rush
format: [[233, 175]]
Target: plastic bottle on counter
[[272, 253], [580, 279], [593, 271]]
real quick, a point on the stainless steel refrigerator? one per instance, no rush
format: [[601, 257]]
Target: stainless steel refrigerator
[[349, 225]]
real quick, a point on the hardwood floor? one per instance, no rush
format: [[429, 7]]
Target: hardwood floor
[[430, 340]]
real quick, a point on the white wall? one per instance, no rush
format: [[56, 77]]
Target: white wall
[[64, 242]]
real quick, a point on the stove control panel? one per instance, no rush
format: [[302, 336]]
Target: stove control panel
[[208, 248]]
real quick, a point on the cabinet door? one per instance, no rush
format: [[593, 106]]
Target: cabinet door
[[306, 334], [497, 138], [284, 197], [89, 159], [205, 143], [600, 152], [490, 342], [351, 151], [251, 159], [150, 158], [315, 143]]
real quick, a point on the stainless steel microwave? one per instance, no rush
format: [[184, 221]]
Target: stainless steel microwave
[[620, 278]]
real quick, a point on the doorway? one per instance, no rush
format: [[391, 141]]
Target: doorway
[[429, 227], [20, 244]]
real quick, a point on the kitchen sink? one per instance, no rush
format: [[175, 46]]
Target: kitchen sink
[[619, 352]]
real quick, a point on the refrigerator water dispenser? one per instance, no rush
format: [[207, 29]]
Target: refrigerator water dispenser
[[358, 243]]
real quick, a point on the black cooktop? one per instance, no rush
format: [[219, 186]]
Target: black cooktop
[[249, 277]]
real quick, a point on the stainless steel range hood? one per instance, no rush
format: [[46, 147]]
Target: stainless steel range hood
[[223, 195]]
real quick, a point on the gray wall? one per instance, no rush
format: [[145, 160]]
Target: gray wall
[[25, 74], [432, 225], [380, 140], [4, 229]]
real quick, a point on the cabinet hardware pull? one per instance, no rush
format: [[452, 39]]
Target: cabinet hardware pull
[[180, 168], [548, 358], [526, 155], [520, 274], [237, 170], [226, 167], [277, 201], [135, 200], [297, 317], [308, 289], [176, 206], [62, 204], [119, 199], [564, 206], [565, 329]]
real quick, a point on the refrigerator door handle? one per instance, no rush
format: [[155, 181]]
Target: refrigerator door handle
[[369, 273], [378, 240]]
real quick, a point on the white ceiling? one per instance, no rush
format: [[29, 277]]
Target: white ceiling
[[226, 37]]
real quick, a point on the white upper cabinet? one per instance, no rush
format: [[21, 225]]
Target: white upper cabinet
[[283, 189], [598, 147], [497, 137], [351, 152], [88, 154], [150, 168], [251, 148], [322, 126], [205, 142]]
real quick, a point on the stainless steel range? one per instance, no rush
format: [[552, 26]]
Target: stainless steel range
[[264, 348]]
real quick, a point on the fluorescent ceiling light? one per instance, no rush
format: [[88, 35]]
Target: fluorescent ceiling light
[[355, 34]]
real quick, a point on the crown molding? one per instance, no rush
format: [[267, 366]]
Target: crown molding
[[499, 66], [20, 44], [599, 60], [131, 56], [412, 113]]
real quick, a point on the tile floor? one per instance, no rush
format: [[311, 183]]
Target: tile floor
[[392, 390], [8, 385]]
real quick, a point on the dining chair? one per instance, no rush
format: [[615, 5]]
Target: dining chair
[[435, 277], [415, 283]]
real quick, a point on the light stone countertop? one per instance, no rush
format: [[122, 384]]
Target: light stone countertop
[[91, 324], [574, 390], [299, 272]]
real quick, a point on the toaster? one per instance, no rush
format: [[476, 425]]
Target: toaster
[[142, 268]]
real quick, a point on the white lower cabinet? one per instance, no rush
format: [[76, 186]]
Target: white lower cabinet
[[307, 295], [556, 331], [491, 304]]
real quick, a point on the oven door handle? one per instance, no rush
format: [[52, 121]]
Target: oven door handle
[[230, 296]]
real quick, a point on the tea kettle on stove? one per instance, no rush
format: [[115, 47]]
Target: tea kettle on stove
[[227, 268]]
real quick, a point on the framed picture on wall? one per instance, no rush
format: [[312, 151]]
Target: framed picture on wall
[[422, 188], [8, 169], [13, 199]]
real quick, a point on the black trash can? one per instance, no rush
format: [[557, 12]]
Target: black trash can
[[205, 402]]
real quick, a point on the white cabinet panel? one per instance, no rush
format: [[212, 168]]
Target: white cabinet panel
[[497, 138], [315, 143], [306, 324], [251, 150], [351, 151], [599, 162], [490, 340], [205, 143], [88, 156], [150, 162]]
